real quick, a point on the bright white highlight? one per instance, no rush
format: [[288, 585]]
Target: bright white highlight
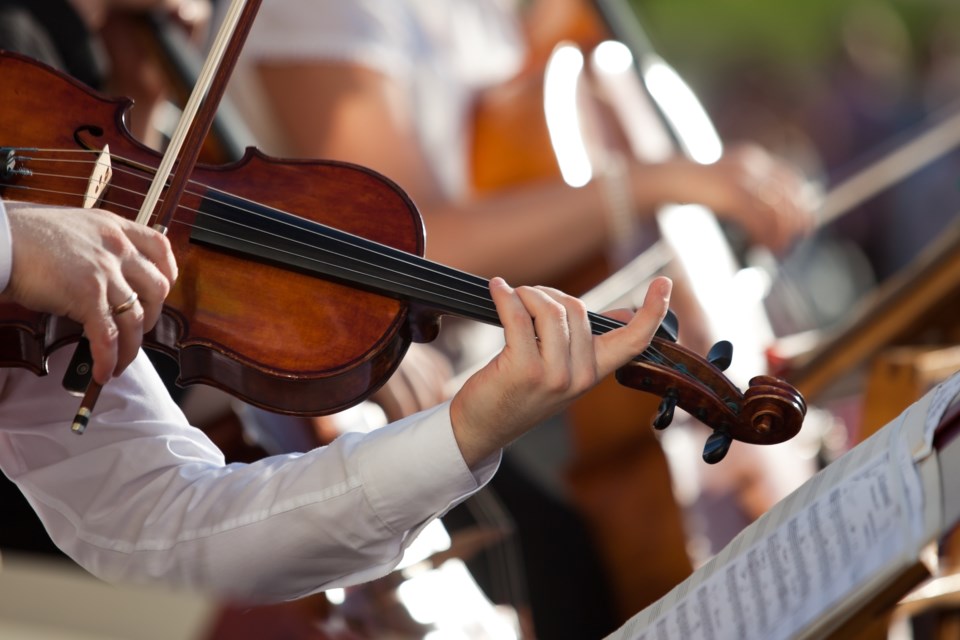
[[752, 283], [737, 315], [433, 539], [681, 107], [449, 599], [612, 57], [563, 116]]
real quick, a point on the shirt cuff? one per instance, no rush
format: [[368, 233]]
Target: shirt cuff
[[6, 249], [423, 466]]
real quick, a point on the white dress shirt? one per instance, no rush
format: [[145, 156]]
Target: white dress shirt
[[429, 48], [143, 496]]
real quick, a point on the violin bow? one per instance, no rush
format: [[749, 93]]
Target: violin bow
[[184, 150]]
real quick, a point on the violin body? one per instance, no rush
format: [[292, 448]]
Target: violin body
[[301, 282], [329, 347]]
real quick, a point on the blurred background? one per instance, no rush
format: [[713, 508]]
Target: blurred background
[[831, 86], [864, 97]]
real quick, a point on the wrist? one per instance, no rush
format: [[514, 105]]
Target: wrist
[[671, 181], [475, 444]]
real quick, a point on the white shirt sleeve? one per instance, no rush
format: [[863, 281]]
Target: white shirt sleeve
[[372, 33], [437, 56], [6, 248], [142, 496]]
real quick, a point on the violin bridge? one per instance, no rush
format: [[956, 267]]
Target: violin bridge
[[99, 179]]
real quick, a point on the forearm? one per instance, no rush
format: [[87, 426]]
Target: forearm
[[672, 181], [528, 235], [151, 500], [535, 232]]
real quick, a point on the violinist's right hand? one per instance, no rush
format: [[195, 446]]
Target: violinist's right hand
[[84, 264]]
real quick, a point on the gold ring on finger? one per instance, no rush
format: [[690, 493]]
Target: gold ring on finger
[[126, 305]]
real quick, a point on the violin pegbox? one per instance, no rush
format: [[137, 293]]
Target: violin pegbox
[[769, 412]]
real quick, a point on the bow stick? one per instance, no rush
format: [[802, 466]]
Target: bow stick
[[184, 148]]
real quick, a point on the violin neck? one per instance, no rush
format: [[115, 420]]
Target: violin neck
[[255, 231]]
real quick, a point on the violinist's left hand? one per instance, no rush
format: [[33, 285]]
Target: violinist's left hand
[[550, 358]]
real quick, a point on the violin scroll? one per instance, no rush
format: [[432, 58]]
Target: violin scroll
[[774, 406], [770, 411]]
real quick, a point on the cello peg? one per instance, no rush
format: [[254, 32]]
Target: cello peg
[[716, 447], [721, 355], [665, 412]]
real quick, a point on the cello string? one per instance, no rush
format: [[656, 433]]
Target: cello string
[[504, 557], [598, 321]]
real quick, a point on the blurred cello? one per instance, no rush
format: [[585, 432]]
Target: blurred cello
[[619, 478]]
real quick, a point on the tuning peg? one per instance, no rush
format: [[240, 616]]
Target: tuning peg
[[665, 412], [716, 447], [669, 329], [721, 355]]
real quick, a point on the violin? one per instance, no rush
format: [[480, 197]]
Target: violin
[[301, 282]]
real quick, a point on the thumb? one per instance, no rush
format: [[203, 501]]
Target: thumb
[[617, 347]]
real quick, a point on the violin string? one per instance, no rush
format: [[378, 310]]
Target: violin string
[[478, 283], [116, 205], [238, 224], [598, 321]]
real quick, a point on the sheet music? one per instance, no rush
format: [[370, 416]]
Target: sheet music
[[782, 582], [851, 526], [943, 394]]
